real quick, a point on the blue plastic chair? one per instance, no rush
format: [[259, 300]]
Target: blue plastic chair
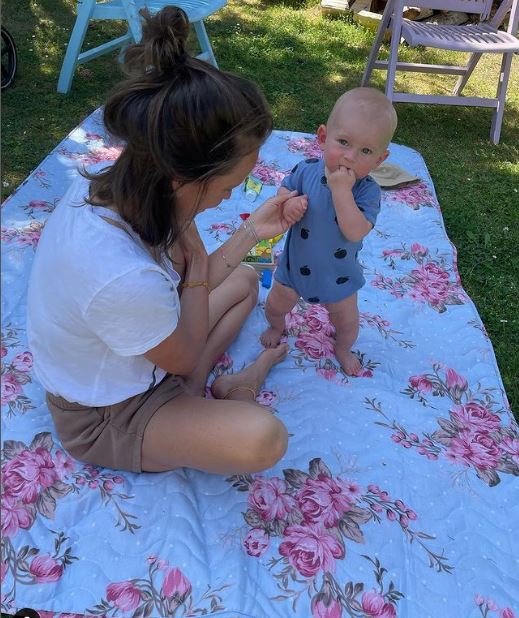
[[128, 10]]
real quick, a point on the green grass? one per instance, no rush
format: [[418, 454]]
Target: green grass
[[302, 62]]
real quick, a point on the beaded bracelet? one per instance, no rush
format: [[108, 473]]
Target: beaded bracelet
[[195, 284]]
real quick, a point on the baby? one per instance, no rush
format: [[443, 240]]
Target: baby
[[319, 262]]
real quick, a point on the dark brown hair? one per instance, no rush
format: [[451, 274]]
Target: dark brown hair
[[180, 118]]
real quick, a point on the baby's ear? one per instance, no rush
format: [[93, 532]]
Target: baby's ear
[[382, 158], [321, 135]]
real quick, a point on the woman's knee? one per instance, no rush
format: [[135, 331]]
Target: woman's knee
[[249, 282], [268, 443]]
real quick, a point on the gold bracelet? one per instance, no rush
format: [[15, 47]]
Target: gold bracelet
[[196, 284]]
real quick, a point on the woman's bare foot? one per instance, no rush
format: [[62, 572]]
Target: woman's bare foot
[[271, 337], [349, 362], [245, 384]]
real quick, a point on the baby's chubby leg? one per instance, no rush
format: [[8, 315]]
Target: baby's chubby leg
[[280, 301], [344, 315]]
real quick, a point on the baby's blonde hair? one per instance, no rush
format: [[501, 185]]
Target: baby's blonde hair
[[373, 104]]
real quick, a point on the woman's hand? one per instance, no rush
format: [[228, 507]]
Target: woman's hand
[[270, 219], [195, 254], [190, 243]]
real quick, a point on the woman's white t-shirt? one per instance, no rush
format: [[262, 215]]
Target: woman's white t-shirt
[[97, 301]]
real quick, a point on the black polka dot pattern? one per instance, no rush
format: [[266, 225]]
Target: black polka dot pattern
[[304, 233], [340, 254], [312, 160], [294, 168], [323, 180], [341, 280], [313, 299], [305, 271]]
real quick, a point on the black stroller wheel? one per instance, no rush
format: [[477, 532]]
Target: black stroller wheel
[[9, 59]]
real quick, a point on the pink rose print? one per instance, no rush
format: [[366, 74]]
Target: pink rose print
[[421, 384], [176, 586], [510, 446], [307, 146], [323, 501], [3, 351], [473, 417], [124, 595], [27, 474], [256, 542], [269, 174], [11, 388], [478, 450], [318, 515], [472, 436], [487, 605], [416, 196], [321, 610], [23, 361], [374, 604], [15, 516], [314, 347], [266, 398], [295, 321], [269, 499], [147, 597], [314, 343], [429, 283], [310, 549], [454, 380], [419, 249], [64, 464], [45, 569]]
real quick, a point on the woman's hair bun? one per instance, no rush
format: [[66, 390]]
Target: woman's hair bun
[[163, 43]]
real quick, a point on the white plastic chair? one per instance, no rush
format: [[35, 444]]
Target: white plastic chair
[[128, 10], [475, 38]]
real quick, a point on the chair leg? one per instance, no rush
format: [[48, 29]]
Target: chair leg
[[463, 79], [393, 57], [84, 12], [373, 54], [497, 117], [205, 44], [131, 8]]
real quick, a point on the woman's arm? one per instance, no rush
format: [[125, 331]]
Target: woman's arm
[[267, 221], [180, 352]]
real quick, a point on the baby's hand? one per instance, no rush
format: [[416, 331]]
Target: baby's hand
[[294, 208], [341, 178]]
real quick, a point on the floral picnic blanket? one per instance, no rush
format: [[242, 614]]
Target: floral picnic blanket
[[398, 495]]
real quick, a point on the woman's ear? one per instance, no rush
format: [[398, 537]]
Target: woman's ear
[[321, 136], [176, 184]]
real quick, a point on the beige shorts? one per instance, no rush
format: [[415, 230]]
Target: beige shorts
[[111, 436]]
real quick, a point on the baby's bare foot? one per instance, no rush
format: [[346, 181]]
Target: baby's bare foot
[[349, 362], [271, 337], [245, 384]]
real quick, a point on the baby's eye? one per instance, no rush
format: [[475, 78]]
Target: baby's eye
[[367, 151], [343, 142]]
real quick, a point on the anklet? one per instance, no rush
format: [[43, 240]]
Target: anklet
[[240, 388]]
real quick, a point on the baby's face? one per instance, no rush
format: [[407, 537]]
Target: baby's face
[[349, 140]]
